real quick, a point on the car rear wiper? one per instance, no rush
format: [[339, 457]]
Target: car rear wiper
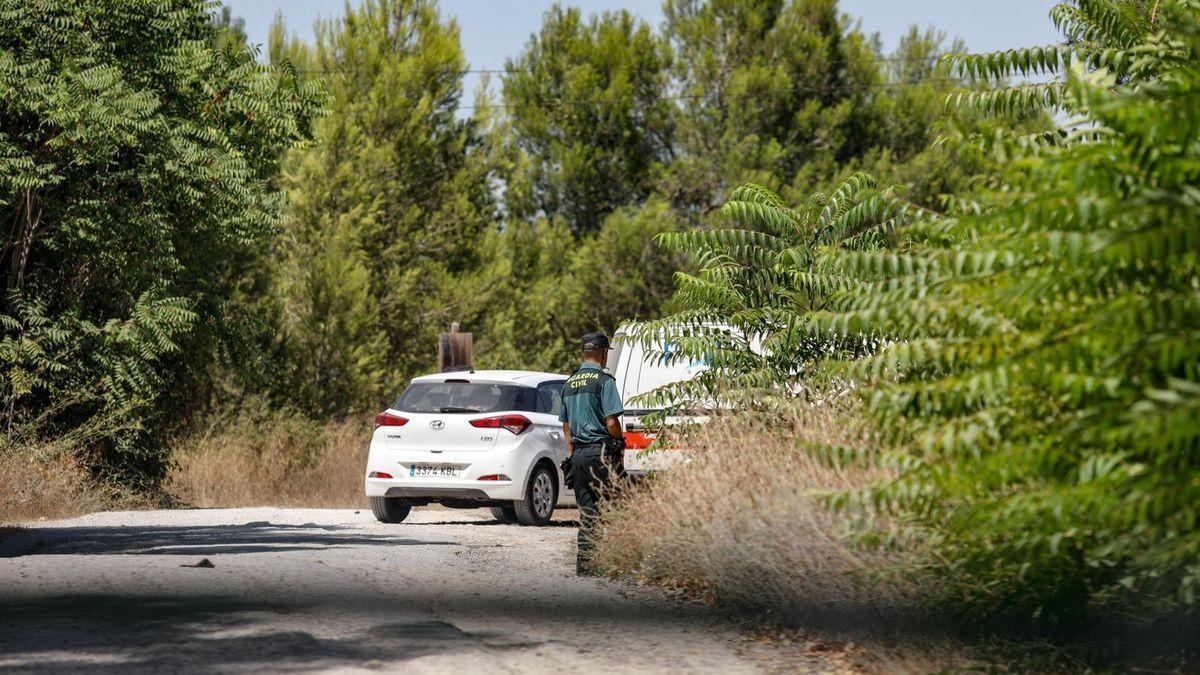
[[456, 409]]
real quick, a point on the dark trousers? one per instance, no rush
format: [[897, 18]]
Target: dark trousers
[[590, 474]]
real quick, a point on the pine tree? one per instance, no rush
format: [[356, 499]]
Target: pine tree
[[788, 94], [769, 89], [589, 120], [540, 287], [398, 182]]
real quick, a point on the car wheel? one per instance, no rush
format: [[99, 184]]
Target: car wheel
[[540, 496], [390, 509], [505, 514]]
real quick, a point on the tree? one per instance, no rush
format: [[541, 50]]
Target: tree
[[788, 94], [231, 30], [336, 326], [742, 310], [768, 88], [398, 182], [1032, 363], [589, 118], [787, 91], [1040, 370], [136, 160], [540, 288]]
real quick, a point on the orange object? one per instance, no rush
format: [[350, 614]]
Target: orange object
[[638, 440]]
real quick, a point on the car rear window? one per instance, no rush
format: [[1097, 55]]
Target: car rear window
[[464, 397]]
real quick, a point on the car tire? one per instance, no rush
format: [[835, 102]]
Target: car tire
[[541, 493], [390, 509], [505, 514]]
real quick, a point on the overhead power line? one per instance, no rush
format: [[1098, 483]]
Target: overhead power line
[[509, 71], [811, 89], [817, 89], [848, 87], [563, 102]]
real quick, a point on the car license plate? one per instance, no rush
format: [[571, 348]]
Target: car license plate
[[435, 470]]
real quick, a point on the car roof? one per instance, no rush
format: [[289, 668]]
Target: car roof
[[529, 378]]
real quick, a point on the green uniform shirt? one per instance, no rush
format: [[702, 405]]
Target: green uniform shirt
[[589, 396]]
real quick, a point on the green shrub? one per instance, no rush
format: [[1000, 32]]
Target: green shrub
[[1033, 355], [136, 158]]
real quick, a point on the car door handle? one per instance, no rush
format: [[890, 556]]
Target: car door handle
[[556, 435]]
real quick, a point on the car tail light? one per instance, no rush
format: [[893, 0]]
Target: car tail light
[[387, 419], [494, 476], [379, 474], [514, 423]]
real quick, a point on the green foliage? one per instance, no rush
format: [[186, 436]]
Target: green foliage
[[577, 160], [231, 30], [89, 386], [388, 207], [590, 124], [34, 353], [788, 93], [176, 250], [335, 348], [1045, 391], [540, 289], [136, 154], [740, 311], [1035, 347]]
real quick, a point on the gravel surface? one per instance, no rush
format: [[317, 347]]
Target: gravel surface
[[304, 590]]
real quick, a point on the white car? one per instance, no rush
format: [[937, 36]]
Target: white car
[[488, 438]]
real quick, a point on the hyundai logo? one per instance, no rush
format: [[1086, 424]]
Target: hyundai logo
[[437, 425]]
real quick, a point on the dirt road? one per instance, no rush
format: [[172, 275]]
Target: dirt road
[[307, 590]]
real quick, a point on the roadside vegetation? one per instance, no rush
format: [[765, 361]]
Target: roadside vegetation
[[1024, 353], [197, 227], [974, 277], [48, 482], [742, 523], [742, 526], [271, 460], [254, 457]]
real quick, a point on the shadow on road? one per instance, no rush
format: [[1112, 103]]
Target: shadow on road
[[258, 537], [204, 634], [553, 523], [288, 620]]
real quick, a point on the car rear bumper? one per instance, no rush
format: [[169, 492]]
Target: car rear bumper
[[437, 490], [419, 492]]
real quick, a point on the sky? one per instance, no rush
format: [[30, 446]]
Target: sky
[[493, 30]]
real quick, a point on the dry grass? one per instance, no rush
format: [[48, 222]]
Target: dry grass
[[279, 460], [740, 525], [47, 482], [742, 519], [253, 459]]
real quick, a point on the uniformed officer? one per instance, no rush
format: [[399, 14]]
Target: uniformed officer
[[591, 417]]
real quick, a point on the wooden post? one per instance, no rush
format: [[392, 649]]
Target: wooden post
[[456, 350]]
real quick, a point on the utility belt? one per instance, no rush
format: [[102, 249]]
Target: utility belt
[[613, 450]]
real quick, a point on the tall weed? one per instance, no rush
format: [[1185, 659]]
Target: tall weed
[[742, 522], [47, 481], [276, 459]]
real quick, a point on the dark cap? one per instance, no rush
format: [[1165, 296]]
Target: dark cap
[[595, 341]]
